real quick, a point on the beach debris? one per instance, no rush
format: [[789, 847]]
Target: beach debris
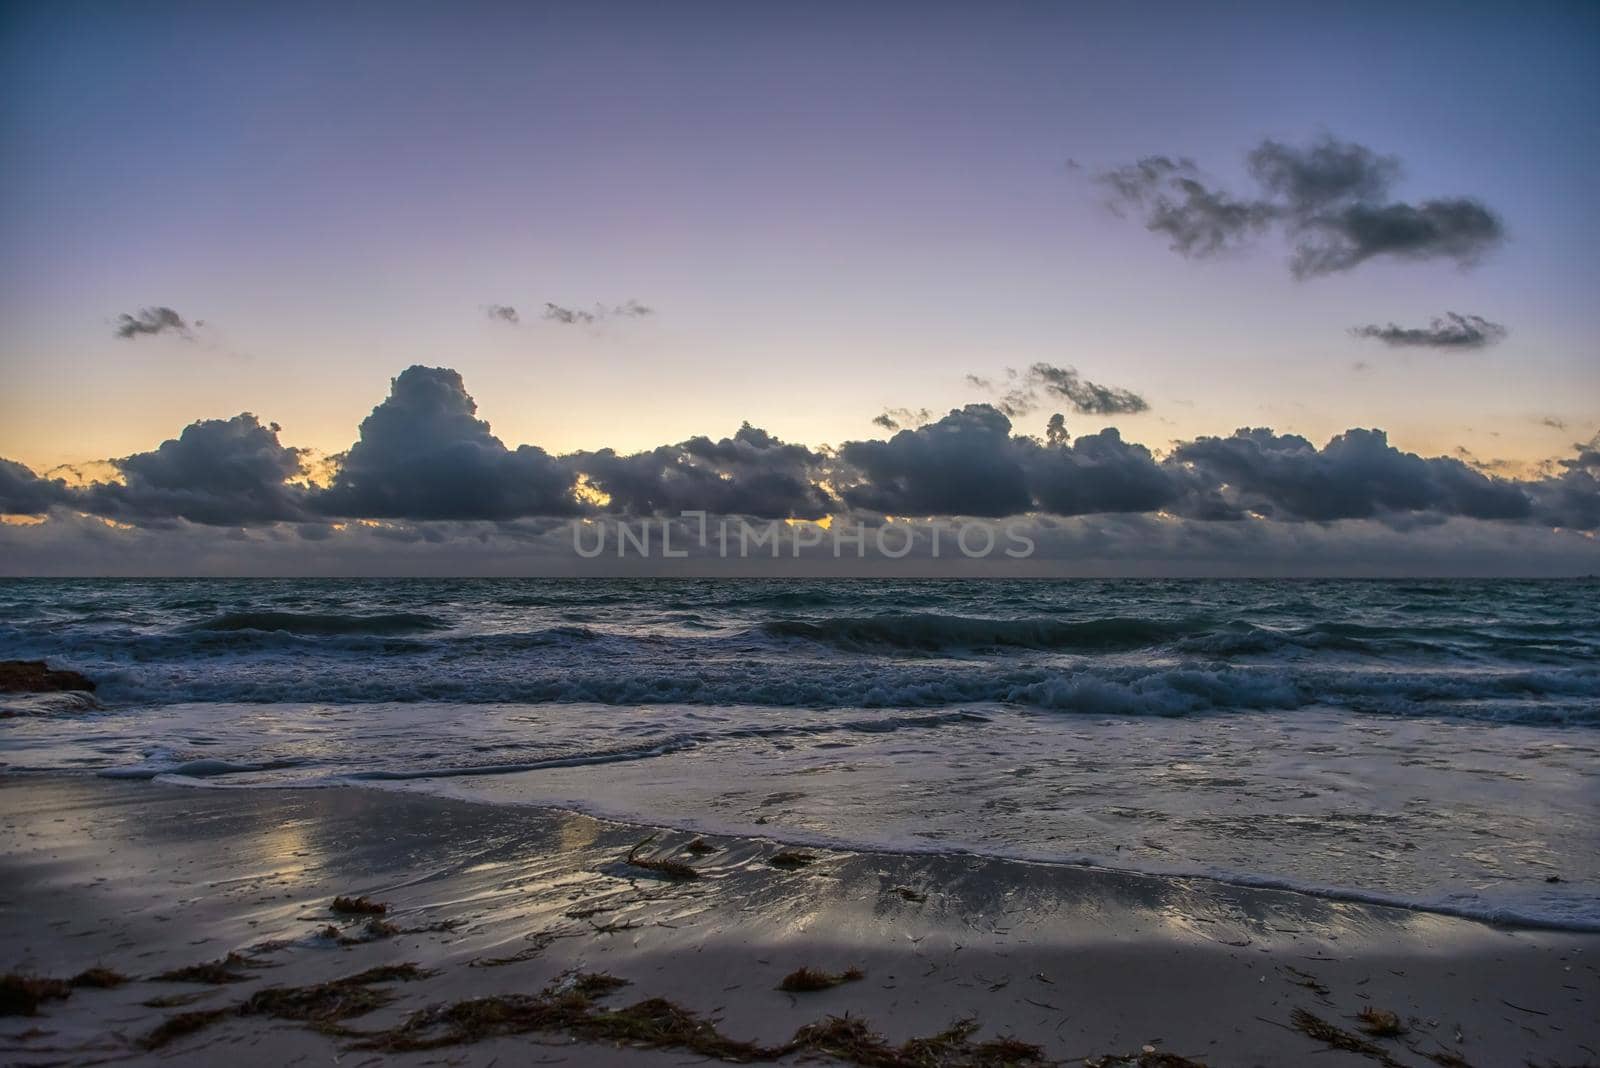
[[184, 1023], [21, 995], [338, 999], [98, 978], [675, 870], [568, 1008], [908, 894], [358, 906], [173, 1001], [35, 676], [1380, 1023], [1148, 1057], [1305, 979], [848, 1038], [322, 1005], [226, 970], [1315, 1027], [791, 860], [806, 980], [375, 928], [700, 847]]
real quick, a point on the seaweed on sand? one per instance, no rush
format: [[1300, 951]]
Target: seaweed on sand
[[1380, 1023], [319, 1004], [676, 870], [358, 906], [1337, 1038], [791, 860], [656, 1023], [98, 978], [225, 970], [805, 980], [699, 847], [337, 999], [184, 1023], [1149, 1058], [20, 995]]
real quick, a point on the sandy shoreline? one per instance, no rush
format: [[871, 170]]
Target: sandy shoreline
[[143, 878]]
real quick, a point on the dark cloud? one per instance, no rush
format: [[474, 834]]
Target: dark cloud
[[1055, 431], [1198, 220], [503, 313], [1329, 198], [24, 493], [1571, 499], [1357, 475], [152, 321], [424, 454], [751, 473], [219, 472], [1553, 423], [1088, 398], [1452, 331], [629, 309], [969, 463], [424, 458], [1021, 392], [964, 464]]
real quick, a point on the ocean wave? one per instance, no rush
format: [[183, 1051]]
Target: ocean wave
[[931, 632], [322, 623]]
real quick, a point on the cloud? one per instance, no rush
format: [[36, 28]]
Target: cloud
[[423, 458], [503, 313], [895, 418], [1023, 391], [424, 454], [1329, 198], [751, 473], [24, 493], [1357, 475], [220, 472], [152, 321], [629, 309], [1453, 331]]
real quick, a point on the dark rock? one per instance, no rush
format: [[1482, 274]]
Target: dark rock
[[32, 676]]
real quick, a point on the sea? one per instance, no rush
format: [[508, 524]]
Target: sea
[[1433, 745]]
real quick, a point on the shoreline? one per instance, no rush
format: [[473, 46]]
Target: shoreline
[[1084, 962]]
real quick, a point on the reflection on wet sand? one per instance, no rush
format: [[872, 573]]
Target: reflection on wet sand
[[146, 878]]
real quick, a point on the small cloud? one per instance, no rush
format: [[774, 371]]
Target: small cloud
[[160, 320], [1022, 390], [503, 313], [1553, 423], [630, 309], [895, 418], [1452, 331]]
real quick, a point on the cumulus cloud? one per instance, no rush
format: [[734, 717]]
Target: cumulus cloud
[[1021, 392], [1330, 199], [1452, 331], [751, 473], [161, 320], [220, 472], [503, 313], [628, 309], [423, 458], [424, 454], [1357, 475], [24, 493]]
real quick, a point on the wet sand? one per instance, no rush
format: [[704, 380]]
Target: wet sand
[[143, 878]]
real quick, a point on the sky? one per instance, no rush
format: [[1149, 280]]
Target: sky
[[624, 226]]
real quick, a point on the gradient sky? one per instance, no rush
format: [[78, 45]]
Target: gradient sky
[[833, 209]]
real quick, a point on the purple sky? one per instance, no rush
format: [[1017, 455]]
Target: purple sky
[[830, 210]]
